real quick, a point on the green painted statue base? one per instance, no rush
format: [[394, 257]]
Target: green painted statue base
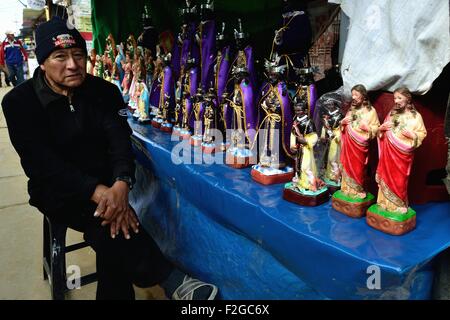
[[352, 206], [391, 222]]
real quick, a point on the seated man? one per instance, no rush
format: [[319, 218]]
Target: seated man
[[75, 149]]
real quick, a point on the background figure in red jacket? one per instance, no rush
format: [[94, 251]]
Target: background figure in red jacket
[[12, 54]]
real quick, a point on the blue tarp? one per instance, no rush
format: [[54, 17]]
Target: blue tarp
[[221, 226]]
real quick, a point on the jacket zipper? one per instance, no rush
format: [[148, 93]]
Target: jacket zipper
[[72, 109]]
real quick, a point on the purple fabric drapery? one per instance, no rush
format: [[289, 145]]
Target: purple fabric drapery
[[286, 115], [193, 85], [312, 98], [223, 73], [208, 53], [167, 88], [251, 121]]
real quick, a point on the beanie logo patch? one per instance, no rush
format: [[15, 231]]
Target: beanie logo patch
[[64, 41]]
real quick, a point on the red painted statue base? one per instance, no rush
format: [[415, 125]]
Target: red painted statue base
[[391, 222], [185, 136], [196, 141], [272, 178], [209, 149], [296, 196], [166, 129], [237, 162], [156, 124], [351, 206]]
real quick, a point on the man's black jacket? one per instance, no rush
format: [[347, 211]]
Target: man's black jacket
[[64, 151]]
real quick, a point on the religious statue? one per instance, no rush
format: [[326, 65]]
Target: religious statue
[[359, 126], [198, 110], [306, 188], [331, 134], [275, 128], [190, 83], [185, 46], [400, 134], [143, 100], [109, 55], [149, 66], [244, 119], [178, 117], [138, 70], [98, 67], [209, 122], [222, 85], [119, 61], [293, 38], [131, 45], [225, 114], [306, 88], [127, 67], [166, 96], [206, 39], [91, 59]]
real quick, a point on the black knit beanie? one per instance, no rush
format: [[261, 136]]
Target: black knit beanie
[[56, 34]]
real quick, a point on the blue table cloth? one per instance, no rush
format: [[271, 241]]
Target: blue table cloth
[[219, 225]]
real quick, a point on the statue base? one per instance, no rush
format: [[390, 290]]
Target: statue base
[[166, 128], [332, 186], [156, 124], [307, 198], [143, 121], [176, 131], [224, 146], [352, 206], [196, 141], [259, 175], [238, 158], [185, 136], [237, 162], [209, 148], [391, 222]]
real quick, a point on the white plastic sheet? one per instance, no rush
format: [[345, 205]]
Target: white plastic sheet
[[394, 43]]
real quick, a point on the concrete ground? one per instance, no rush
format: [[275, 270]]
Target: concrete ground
[[21, 237]]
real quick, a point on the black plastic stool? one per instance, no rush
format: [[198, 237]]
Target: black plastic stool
[[55, 258]]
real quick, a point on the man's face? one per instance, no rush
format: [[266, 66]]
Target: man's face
[[66, 67], [10, 37], [357, 98], [400, 101]]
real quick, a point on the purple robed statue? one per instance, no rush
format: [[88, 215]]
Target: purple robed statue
[[306, 89], [167, 95], [274, 132], [244, 120], [207, 40], [189, 83]]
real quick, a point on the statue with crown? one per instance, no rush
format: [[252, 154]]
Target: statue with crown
[[189, 83], [196, 118], [166, 96], [206, 39], [306, 188], [275, 128], [331, 117], [244, 120], [222, 85]]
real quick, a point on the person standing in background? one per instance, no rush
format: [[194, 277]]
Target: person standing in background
[[13, 55]]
